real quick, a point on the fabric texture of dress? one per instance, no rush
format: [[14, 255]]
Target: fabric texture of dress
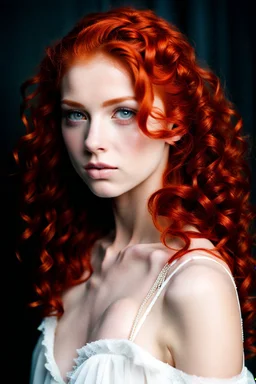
[[118, 361]]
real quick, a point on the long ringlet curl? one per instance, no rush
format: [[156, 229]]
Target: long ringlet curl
[[207, 180]]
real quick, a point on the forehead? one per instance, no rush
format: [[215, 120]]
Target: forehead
[[97, 72], [99, 78]]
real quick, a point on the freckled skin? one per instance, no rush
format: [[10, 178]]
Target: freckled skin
[[105, 135]]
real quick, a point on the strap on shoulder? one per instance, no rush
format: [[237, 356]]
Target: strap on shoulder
[[140, 323]]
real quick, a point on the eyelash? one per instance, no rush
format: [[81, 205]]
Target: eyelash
[[66, 115]]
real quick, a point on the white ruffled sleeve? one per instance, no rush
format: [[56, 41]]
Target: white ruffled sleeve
[[113, 361]]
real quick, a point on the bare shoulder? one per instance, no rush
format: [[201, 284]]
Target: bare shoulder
[[202, 306], [200, 277], [198, 272], [199, 269]]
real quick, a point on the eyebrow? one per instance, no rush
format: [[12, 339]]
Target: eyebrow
[[106, 103]]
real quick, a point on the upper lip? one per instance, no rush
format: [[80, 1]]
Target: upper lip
[[99, 166]]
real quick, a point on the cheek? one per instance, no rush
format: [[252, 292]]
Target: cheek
[[71, 140], [141, 145]]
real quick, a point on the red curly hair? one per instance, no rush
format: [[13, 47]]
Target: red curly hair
[[206, 182]]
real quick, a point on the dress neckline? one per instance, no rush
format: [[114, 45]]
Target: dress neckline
[[49, 325]]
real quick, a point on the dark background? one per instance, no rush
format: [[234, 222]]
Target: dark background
[[223, 34]]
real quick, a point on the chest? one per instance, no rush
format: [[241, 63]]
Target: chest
[[105, 307]]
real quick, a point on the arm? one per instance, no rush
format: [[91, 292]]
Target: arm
[[204, 312]]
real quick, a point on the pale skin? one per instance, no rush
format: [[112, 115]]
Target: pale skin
[[195, 323]]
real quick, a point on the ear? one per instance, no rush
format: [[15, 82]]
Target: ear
[[174, 138]]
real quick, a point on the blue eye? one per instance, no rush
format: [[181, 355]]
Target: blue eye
[[74, 115], [124, 114]]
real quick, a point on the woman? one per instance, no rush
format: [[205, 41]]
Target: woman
[[135, 185]]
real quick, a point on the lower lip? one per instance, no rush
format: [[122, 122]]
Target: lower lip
[[100, 173]]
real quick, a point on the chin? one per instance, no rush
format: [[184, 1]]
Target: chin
[[103, 192], [102, 195]]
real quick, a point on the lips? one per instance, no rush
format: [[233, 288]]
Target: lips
[[100, 171], [99, 166]]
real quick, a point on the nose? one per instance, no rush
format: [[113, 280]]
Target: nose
[[96, 137]]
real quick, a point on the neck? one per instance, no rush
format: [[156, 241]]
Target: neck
[[133, 222]]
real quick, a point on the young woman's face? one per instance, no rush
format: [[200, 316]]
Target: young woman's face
[[99, 127]]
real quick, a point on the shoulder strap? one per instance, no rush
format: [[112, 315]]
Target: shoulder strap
[[140, 323]]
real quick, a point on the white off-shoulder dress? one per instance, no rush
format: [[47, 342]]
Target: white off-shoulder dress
[[118, 361]]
